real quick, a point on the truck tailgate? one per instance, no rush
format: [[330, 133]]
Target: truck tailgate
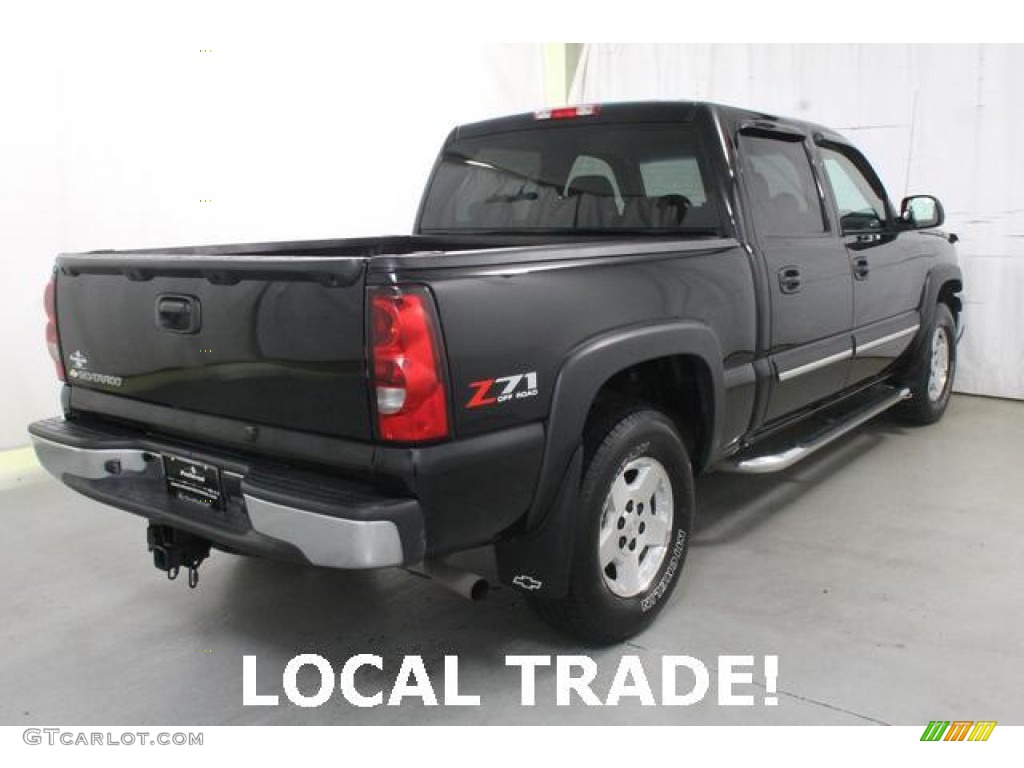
[[272, 339]]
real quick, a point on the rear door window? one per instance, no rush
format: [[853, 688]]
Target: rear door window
[[784, 195]]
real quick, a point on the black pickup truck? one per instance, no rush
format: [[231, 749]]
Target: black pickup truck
[[598, 303]]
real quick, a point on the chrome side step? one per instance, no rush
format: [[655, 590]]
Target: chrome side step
[[753, 463]]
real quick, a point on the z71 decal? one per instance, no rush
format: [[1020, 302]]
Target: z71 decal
[[501, 390]]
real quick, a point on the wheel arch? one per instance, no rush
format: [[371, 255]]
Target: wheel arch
[[542, 549], [680, 386], [942, 284], [683, 346]]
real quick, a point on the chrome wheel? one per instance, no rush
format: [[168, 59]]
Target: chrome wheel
[[939, 375], [636, 524]]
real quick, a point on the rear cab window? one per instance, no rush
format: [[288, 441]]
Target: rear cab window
[[674, 176], [569, 178]]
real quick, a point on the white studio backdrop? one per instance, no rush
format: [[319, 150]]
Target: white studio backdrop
[[933, 119], [122, 149], [132, 150]]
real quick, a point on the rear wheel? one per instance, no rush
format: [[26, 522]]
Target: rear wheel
[[931, 380], [632, 531]]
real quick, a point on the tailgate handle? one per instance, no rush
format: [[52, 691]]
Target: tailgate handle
[[178, 313]]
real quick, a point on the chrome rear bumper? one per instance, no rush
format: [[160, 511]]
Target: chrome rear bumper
[[335, 542], [60, 460], [326, 522]]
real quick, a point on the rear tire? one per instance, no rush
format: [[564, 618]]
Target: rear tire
[[632, 531], [931, 378]]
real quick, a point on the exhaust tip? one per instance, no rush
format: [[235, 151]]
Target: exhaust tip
[[479, 590], [467, 584]]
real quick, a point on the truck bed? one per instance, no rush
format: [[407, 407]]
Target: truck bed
[[276, 331]]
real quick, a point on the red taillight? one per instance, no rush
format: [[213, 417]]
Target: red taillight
[[405, 354], [561, 113], [52, 344]]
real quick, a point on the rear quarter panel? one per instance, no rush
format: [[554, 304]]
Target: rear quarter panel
[[512, 319]]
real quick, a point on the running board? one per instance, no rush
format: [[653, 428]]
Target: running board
[[752, 462]]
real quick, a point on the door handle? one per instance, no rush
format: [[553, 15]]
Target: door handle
[[789, 279], [861, 268]]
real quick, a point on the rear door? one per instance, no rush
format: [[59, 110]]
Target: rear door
[[262, 339], [810, 286], [888, 266]]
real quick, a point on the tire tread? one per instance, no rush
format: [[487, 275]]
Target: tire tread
[[603, 436]]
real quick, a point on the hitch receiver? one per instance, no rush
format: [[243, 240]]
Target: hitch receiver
[[173, 549]]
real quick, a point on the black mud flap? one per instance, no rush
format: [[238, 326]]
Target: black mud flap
[[538, 562]]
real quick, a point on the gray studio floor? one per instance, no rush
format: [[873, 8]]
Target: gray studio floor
[[887, 573]]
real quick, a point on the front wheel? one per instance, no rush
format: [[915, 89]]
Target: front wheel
[[931, 380], [632, 530]]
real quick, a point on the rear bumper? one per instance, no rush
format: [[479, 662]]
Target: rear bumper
[[267, 511]]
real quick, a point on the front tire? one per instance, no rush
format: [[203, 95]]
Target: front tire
[[931, 380], [632, 531]]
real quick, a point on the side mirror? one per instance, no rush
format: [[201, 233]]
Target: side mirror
[[922, 212]]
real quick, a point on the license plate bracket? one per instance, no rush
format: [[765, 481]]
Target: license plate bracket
[[193, 481]]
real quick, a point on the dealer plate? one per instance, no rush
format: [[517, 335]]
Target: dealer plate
[[193, 481]]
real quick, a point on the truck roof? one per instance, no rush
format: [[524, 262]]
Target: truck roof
[[647, 111]]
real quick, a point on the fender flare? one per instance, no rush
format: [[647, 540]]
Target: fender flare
[[935, 280], [538, 559]]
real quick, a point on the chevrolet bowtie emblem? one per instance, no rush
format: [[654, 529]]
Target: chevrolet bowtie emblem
[[527, 582]]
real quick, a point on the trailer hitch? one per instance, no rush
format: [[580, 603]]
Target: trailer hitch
[[173, 549]]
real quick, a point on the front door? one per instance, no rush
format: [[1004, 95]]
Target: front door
[[888, 267]]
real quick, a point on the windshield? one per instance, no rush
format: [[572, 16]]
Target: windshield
[[573, 178]]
